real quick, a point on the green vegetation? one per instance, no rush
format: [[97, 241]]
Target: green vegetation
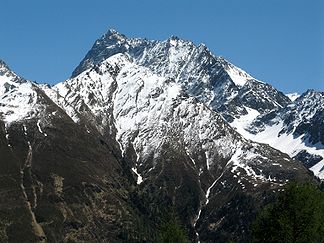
[[296, 216], [172, 231]]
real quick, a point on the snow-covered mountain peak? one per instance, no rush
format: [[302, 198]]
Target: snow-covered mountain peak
[[149, 111], [211, 79], [142, 50], [19, 103], [8, 79], [17, 96], [113, 35], [6, 74], [112, 31], [3, 65], [174, 37], [175, 41]]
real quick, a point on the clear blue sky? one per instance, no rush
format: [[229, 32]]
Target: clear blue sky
[[278, 41]]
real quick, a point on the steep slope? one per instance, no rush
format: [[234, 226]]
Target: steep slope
[[213, 80], [181, 151], [18, 97], [8, 76], [60, 181], [297, 129]]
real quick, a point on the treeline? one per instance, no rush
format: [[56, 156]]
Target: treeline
[[296, 216], [169, 230]]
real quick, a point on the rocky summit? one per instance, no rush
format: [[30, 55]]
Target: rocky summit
[[144, 128]]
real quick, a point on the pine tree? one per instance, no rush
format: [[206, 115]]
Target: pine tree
[[296, 216], [171, 230]]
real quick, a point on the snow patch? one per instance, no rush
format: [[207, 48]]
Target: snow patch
[[243, 122], [211, 186], [198, 216], [207, 160], [173, 42], [237, 161], [289, 144], [293, 96], [58, 95], [139, 177], [7, 135], [19, 103], [238, 76], [40, 129]]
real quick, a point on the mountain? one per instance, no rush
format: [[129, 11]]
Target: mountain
[[18, 96], [60, 180], [220, 85], [297, 129], [174, 141], [213, 80], [142, 128]]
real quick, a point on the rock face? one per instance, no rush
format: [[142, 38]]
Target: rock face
[[60, 180], [141, 128], [213, 80], [296, 129], [224, 88]]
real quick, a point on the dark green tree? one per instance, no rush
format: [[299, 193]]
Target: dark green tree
[[171, 230], [296, 216]]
